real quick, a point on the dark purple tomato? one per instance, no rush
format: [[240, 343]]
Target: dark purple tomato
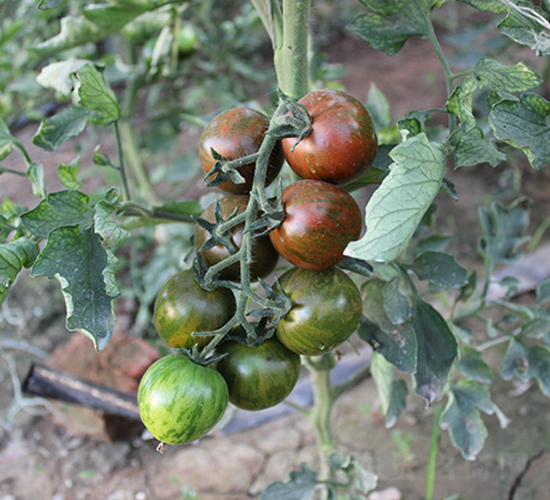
[[234, 134], [258, 377], [342, 144], [320, 220], [182, 307], [326, 310], [264, 255]]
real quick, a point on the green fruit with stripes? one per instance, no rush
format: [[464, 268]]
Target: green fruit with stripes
[[258, 377], [182, 307], [326, 310], [180, 400]]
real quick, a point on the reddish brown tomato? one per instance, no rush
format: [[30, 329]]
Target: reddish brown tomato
[[342, 144], [264, 256], [234, 134], [320, 220]]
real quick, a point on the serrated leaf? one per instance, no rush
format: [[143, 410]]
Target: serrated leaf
[[114, 236], [13, 257], [398, 346], [390, 23], [441, 269], [496, 6], [55, 130], [524, 125], [527, 363], [68, 174], [503, 232], [497, 76], [64, 208], [467, 430], [378, 107], [525, 30], [472, 365], [395, 304], [300, 486], [391, 391], [57, 75], [96, 95], [398, 205], [35, 173], [82, 266], [460, 103], [472, 149], [437, 350]]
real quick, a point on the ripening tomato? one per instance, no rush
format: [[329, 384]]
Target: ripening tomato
[[179, 400], [258, 377], [326, 310], [264, 255], [320, 220], [182, 307], [342, 144], [234, 134]]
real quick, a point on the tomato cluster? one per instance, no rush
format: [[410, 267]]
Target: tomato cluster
[[180, 398]]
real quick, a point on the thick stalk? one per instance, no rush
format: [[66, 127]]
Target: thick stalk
[[291, 55]]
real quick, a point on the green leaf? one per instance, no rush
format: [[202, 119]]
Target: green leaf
[[496, 6], [13, 257], [524, 125], [57, 75], [503, 229], [536, 328], [378, 107], [525, 30], [441, 269], [460, 103], [78, 260], [5, 228], [434, 243], [437, 350], [110, 17], [497, 76], [390, 23], [6, 139], [527, 363], [55, 130], [391, 391], [68, 174], [543, 292], [467, 430], [398, 205], [300, 486], [396, 305], [35, 173], [472, 365], [472, 149], [48, 4], [64, 208], [96, 95], [106, 226], [469, 288]]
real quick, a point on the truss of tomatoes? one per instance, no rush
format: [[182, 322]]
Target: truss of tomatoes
[[320, 219]]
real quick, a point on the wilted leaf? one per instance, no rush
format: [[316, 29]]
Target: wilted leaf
[[497, 76], [526, 31], [55, 130], [68, 174], [472, 149], [13, 257]]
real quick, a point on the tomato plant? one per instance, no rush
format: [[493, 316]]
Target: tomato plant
[[179, 400], [258, 377], [320, 220], [342, 143], [182, 308], [264, 256], [234, 134], [326, 310]]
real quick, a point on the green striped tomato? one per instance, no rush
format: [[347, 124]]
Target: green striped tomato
[[342, 144], [179, 400], [320, 220], [182, 307], [258, 377], [326, 310], [234, 134]]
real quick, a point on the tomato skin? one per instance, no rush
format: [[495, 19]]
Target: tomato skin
[[327, 308], [264, 255], [183, 307], [342, 144], [180, 401], [236, 133], [258, 377], [320, 220]]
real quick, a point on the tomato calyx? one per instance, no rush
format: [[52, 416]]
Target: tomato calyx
[[291, 119], [227, 170]]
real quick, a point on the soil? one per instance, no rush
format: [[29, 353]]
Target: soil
[[67, 454]]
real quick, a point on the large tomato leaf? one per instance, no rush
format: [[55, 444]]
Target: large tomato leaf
[[525, 30], [495, 75], [437, 350], [396, 305], [84, 268], [473, 367], [524, 125], [496, 6], [13, 257], [440, 268], [391, 391], [390, 23], [55, 130], [397, 206]]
